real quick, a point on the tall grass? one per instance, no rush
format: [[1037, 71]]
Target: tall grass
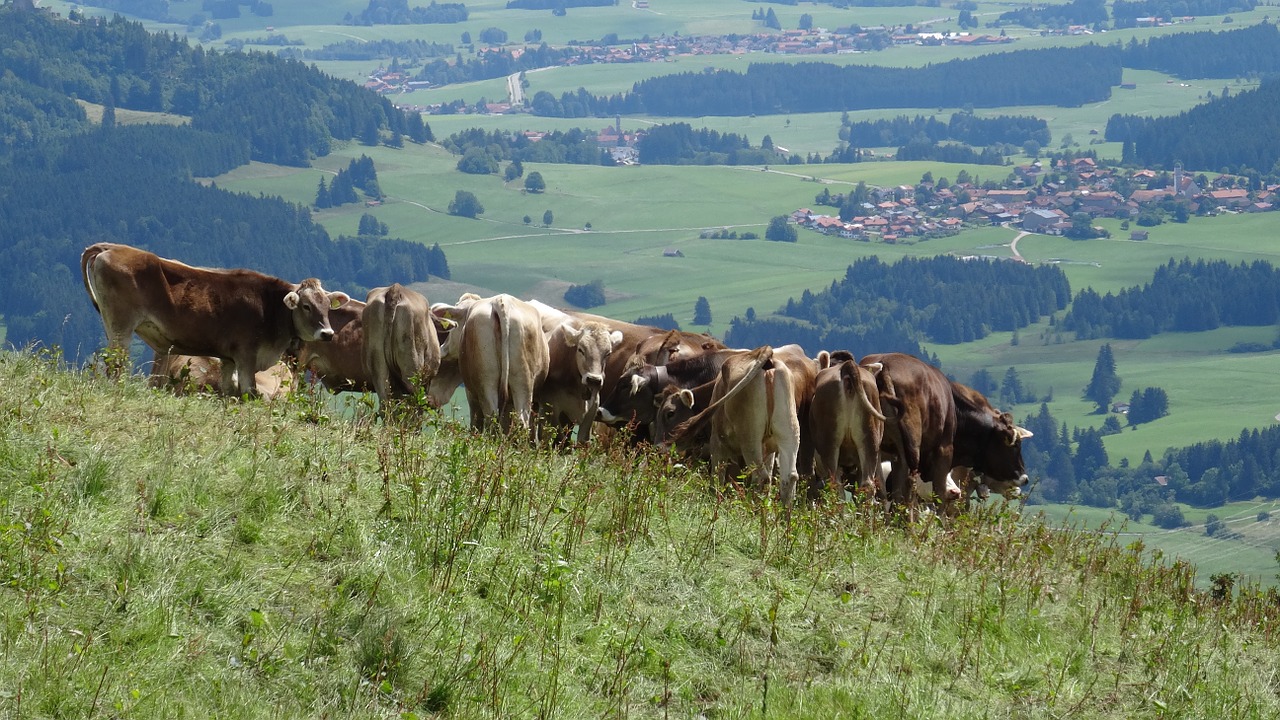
[[195, 557]]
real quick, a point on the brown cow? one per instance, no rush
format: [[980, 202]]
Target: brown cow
[[242, 317], [183, 374], [635, 396], [401, 351], [933, 425], [497, 352], [847, 426], [339, 363]]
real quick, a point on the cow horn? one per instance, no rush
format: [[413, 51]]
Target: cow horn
[[572, 334], [1022, 432], [637, 383]]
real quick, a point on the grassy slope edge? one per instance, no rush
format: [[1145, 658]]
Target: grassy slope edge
[[190, 557]]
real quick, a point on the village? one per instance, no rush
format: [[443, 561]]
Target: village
[[1062, 202]]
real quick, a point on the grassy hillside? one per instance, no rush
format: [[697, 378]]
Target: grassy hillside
[[168, 557]]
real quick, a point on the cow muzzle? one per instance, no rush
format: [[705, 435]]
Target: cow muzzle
[[325, 334]]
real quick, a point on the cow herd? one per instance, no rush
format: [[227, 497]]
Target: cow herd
[[889, 425]]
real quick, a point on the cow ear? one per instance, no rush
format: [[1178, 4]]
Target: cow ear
[[1022, 432], [615, 338], [873, 368], [572, 334], [686, 398], [637, 383], [338, 299], [824, 359], [291, 300]]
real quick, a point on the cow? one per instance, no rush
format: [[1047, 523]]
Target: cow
[[674, 405], [754, 414], [244, 318], [577, 354], [988, 441], [183, 374], [923, 490], [401, 350], [339, 363], [847, 426], [933, 424], [497, 353]]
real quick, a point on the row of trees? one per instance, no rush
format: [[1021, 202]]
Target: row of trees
[[1083, 74], [881, 308], [487, 148], [1183, 296], [1245, 137], [398, 12], [963, 127]]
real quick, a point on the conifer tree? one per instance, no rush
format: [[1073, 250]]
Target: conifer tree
[[1105, 383]]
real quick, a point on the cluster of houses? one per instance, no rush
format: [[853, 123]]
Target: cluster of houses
[[812, 41], [896, 213]]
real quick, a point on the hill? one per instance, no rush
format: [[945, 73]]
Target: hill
[[301, 565]]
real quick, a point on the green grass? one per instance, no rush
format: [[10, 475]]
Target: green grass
[[194, 557]]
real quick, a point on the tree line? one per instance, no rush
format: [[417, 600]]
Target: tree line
[[1248, 52], [410, 51], [962, 127], [1245, 135], [1125, 13], [877, 307], [398, 12], [1183, 296], [1082, 74]]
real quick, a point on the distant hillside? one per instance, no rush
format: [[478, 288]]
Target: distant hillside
[[307, 565], [66, 183]]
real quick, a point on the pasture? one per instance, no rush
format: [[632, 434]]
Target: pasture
[[305, 565]]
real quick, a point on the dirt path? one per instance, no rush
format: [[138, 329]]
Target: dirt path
[[1013, 246]]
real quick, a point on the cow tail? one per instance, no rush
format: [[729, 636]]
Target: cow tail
[[504, 356], [690, 428], [852, 381], [86, 259]]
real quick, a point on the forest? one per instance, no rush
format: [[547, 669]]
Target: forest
[[54, 203], [1082, 75], [1125, 13], [1244, 140], [1184, 296], [879, 307], [962, 127], [398, 12]]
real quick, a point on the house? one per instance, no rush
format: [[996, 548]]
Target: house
[[1039, 220], [672, 252], [1139, 235]]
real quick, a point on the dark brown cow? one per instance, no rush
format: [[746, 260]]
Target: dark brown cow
[[933, 425], [401, 351], [634, 396], [242, 317], [339, 363], [847, 427]]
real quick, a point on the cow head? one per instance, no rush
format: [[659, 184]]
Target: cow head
[[673, 406], [631, 398], [310, 306], [1000, 457], [592, 343]]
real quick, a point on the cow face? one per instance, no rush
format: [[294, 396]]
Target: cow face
[[673, 406], [1001, 455], [310, 305], [592, 344], [632, 396]]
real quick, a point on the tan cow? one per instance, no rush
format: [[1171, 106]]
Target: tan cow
[[183, 374], [401, 351], [755, 415], [242, 317], [847, 426], [578, 352], [497, 353]]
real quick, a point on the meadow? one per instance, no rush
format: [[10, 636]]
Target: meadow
[[199, 557], [637, 213]]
